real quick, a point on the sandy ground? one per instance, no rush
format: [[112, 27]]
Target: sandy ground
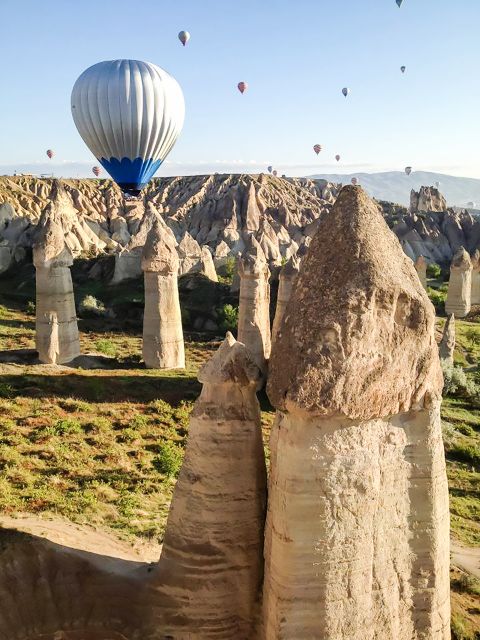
[[466, 558], [83, 537]]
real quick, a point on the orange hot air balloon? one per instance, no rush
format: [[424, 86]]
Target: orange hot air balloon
[[242, 87], [96, 171], [337, 157], [354, 181], [317, 148], [50, 153]]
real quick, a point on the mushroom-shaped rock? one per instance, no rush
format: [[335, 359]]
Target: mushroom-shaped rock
[[163, 346], [475, 296], [209, 574], [56, 335], [460, 285], [357, 531], [421, 269], [254, 308], [447, 343], [288, 275]]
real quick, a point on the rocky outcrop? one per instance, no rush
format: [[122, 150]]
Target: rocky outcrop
[[475, 294], [427, 199], [460, 285], [163, 346], [254, 306], [287, 278], [357, 533], [447, 343], [421, 269], [56, 337], [210, 571]]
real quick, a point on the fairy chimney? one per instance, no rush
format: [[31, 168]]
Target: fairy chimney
[[475, 296], [447, 343], [357, 531], [286, 280], [460, 285], [421, 269]]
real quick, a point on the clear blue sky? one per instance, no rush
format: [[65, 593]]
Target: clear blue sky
[[296, 56]]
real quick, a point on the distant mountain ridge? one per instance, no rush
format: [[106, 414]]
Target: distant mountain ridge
[[395, 186]]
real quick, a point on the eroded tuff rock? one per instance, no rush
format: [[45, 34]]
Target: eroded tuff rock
[[210, 571], [421, 269], [56, 337], [254, 305], [475, 292], [163, 346], [447, 343], [427, 199], [460, 285], [288, 275], [357, 531]]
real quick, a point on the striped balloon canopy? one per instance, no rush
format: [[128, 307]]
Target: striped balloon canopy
[[129, 114], [96, 171], [50, 153], [317, 148]]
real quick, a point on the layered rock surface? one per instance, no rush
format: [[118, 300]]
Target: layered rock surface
[[357, 534], [447, 343], [286, 281], [459, 290]]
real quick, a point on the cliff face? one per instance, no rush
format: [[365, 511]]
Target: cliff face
[[216, 211]]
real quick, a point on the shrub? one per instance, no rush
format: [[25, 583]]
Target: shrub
[[64, 427], [106, 347], [456, 382], [90, 306], [169, 459], [433, 270], [229, 269], [30, 308], [465, 452], [228, 317], [437, 298]]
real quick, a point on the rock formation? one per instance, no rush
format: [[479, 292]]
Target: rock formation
[[287, 278], [447, 343], [163, 346], [56, 337], [254, 307], [421, 269], [427, 199], [210, 571], [357, 533], [460, 285], [475, 295]]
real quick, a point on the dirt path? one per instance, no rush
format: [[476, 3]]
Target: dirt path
[[466, 558]]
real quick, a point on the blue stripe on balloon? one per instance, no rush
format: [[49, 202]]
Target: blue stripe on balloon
[[136, 172]]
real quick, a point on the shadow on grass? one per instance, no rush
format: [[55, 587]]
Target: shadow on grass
[[17, 324]]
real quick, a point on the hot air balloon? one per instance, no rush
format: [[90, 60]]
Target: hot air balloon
[[96, 171], [129, 113], [317, 148], [242, 87], [354, 181], [50, 153], [337, 157], [402, 68], [437, 184], [184, 37], [275, 172], [408, 170], [270, 169], [345, 91], [399, 2]]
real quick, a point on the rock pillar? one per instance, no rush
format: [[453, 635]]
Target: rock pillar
[[421, 269], [460, 285], [254, 312], [163, 346], [286, 280], [209, 575], [475, 296], [447, 343], [357, 532], [56, 337]]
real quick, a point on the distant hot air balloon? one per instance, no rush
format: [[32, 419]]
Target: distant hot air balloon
[[337, 157], [50, 153], [96, 171], [471, 204], [270, 169], [242, 87], [399, 2], [408, 170], [354, 181], [275, 172], [317, 148], [184, 37], [437, 184], [345, 91], [129, 113], [403, 68]]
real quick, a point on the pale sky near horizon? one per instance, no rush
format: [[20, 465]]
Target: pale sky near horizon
[[295, 55]]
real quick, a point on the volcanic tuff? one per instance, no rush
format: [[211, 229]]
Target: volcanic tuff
[[218, 211]]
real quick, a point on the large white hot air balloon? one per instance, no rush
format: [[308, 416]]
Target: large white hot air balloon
[[129, 113]]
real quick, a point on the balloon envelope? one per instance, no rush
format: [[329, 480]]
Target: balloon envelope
[[129, 114], [184, 37], [399, 2], [337, 157], [270, 169], [317, 148], [50, 153], [275, 172], [345, 91], [408, 170], [242, 86], [354, 181], [96, 171], [402, 69]]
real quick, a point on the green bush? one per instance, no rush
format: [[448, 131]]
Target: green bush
[[106, 347], [437, 298], [64, 427], [456, 382], [169, 459], [229, 269], [433, 271], [228, 317], [30, 308], [465, 452]]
